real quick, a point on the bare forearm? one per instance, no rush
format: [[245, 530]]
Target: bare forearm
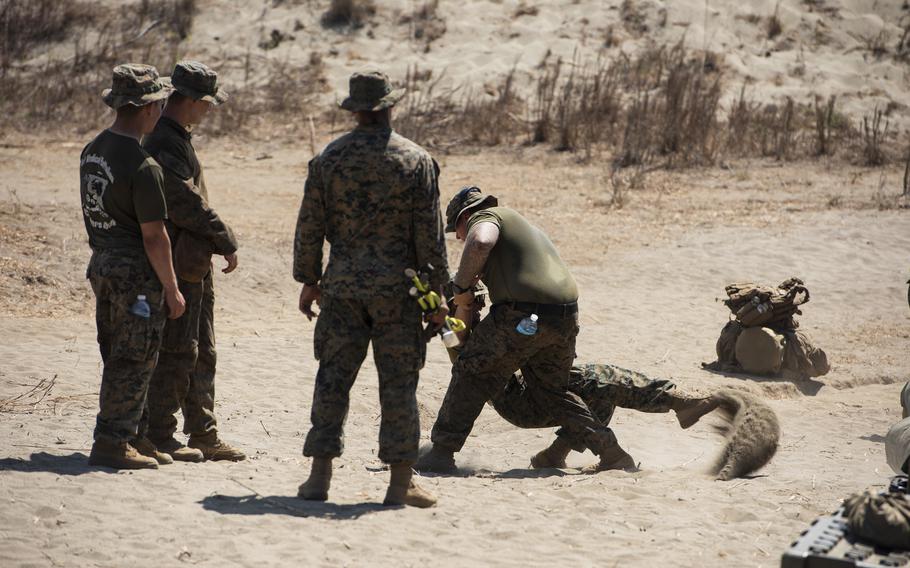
[[473, 259], [158, 250]]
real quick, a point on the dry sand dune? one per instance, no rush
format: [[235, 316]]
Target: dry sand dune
[[825, 47], [650, 274]]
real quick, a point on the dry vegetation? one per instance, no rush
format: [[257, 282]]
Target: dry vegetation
[[661, 106], [64, 89]]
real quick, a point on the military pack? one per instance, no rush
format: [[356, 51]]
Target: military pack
[[761, 336]]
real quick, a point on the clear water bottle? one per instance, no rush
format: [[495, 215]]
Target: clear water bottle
[[141, 308], [449, 339], [528, 325]]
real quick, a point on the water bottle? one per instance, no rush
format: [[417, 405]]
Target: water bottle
[[141, 308], [449, 339], [528, 325]]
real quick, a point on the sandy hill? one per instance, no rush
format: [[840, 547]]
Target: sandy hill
[[854, 49]]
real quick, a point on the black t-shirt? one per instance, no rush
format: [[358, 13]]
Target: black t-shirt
[[121, 187]]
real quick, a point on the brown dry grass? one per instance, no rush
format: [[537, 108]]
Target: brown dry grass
[[64, 90]]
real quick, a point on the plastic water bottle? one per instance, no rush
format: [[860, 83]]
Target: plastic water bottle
[[141, 308], [449, 339], [528, 325]]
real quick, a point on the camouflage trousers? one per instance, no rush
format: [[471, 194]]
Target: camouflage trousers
[[184, 378], [602, 387], [344, 329], [493, 352], [128, 342]]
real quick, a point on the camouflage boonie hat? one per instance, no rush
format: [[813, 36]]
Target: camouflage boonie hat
[[467, 197], [370, 91], [136, 84], [198, 82]]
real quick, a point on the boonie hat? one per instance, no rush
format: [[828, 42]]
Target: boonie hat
[[136, 84], [198, 82], [370, 91], [467, 197]]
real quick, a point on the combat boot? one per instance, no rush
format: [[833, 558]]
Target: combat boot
[[215, 449], [179, 452], [119, 455], [403, 491], [690, 410], [553, 456], [316, 488], [437, 460], [612, 456], [145, 447]]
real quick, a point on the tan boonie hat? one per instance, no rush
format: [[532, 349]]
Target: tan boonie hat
[[370, 91], [198, 82], [136, 84], [466, 198]]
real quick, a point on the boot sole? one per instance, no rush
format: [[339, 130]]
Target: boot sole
[[102, 463]]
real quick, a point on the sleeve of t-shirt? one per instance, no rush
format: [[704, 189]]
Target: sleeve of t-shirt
[[148, 193], [485, 216]]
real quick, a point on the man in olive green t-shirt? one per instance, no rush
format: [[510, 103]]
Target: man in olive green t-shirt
[[130, 271], [525, 277]]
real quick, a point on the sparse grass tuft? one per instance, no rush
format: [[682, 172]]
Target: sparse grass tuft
[[873, 134], [775, 27], [351, 14]]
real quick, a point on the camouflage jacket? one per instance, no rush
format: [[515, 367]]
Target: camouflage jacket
[[373, 195], [184, 189]]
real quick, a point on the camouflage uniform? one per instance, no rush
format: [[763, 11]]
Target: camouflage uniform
[[525, 275], [373, 195], [602, 387], [121, 189], [129, 343], [185, 375], [485, 365]]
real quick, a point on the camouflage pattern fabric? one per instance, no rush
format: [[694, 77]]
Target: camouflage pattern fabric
[[184, 378], [344, 329], [128, 342], [601, 386], [493, 352], [373, 195]]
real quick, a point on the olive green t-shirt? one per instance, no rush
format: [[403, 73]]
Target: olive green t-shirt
[[523, 265], [121, 186]]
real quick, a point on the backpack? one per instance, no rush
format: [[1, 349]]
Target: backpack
[[754, 305]]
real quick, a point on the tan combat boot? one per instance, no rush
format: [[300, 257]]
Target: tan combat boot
[[119, 455], [553, 456], [612, 456], [437, 460], [180, 452], [145, 447], [316, 488], [214, 449], [403, 491], [690, 410]]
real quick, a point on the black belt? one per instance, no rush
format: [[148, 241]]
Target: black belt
[[543, 310]]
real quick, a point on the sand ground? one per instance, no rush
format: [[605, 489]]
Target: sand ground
[[650, 275]]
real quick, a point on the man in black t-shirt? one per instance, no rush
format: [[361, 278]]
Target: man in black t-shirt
[[130, 271]]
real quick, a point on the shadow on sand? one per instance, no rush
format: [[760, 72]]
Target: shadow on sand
[[876, 438], [72, 464], [288, 505], [808, 387]]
